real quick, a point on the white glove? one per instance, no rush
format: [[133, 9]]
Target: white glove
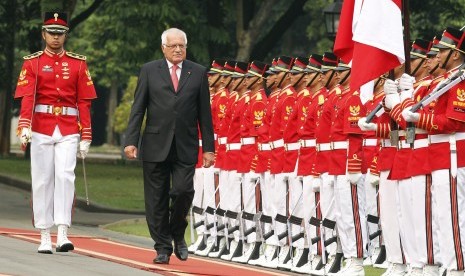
[[354, 178], [84, 146], [316, 184], [363, 125], [25, 136], [406, 82], [390, 87], [410, 116], [406, 94], [373, 179]]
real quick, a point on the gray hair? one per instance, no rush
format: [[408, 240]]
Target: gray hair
[[174, 31]]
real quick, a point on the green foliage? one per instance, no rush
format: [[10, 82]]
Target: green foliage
[[121, 116]]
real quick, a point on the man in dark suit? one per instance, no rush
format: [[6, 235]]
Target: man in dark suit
[[173, 92]]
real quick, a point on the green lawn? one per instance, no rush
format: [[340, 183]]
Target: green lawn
[[113, 185]]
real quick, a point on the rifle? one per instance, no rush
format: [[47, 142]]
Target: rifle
[[442, 88]]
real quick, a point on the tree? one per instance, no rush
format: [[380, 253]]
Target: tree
[[22, 21]]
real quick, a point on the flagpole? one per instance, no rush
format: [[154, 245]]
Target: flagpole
[[410, 130], [406, 23]]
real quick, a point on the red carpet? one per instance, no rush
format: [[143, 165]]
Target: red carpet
[[141, 258]]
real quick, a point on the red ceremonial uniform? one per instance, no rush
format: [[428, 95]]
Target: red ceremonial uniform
[[279, 118], [234, 133], [57, 81], [306, 132], [370, 147], [290, 134], [387, 151], [251, 121], [347, 111], [410, 162], [326, 106], [224, 104], [447, 116], [263, 138], [218, 107]]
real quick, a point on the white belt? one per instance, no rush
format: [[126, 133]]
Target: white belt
[[248, 140], [57, 110], [323, 146], [339, 145], [459, 136], [370, 142], [292, 146], [439, 138], [417, 144], [308, 143], [386, 143], [222, 140], [200, 143], [264, 146], [277, 144], [233, 146]]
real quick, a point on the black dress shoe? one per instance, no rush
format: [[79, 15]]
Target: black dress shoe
[[162, 259], [180, 250]]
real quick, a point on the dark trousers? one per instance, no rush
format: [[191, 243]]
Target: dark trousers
[[168, 191]]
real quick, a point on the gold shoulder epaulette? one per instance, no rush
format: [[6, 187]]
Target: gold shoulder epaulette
[[258, 97], [34, 55], [289, 92], [356, 93], [77, 56]]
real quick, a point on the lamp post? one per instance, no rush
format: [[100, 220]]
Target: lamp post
[[332, 13]]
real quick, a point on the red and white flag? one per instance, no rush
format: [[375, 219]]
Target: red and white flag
[[370, 38]]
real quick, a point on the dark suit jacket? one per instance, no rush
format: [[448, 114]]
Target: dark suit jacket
[[171, 114]]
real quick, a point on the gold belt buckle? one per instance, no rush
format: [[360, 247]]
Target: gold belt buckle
[[57, 110]]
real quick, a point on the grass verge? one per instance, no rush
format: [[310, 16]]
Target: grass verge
[[113, 185]]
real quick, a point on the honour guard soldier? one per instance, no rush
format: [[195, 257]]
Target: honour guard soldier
[[446, 128], [270, 251], [306, 161], [321, 168], [221, 104], [251, 121], [203, 178], [346, 165], [56, 90], [388, 199], [231, 198], [298, 81], [417, 224]]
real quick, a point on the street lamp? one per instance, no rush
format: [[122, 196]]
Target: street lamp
[[332, 13]]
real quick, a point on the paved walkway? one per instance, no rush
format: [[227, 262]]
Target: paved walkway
[[19, 257]]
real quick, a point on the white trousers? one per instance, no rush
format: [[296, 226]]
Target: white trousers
[[233, 199], [198, 197], [296, 206], [417, 226], [249, 197], [328, 207], [450, 196], [53, 160], [350, 216], [371, 208], [310, 208], [388, 200], [279, 199], [204, 196]]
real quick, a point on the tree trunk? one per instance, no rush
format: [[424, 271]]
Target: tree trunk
[[8, 43], [111, 107], [247, 33]]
